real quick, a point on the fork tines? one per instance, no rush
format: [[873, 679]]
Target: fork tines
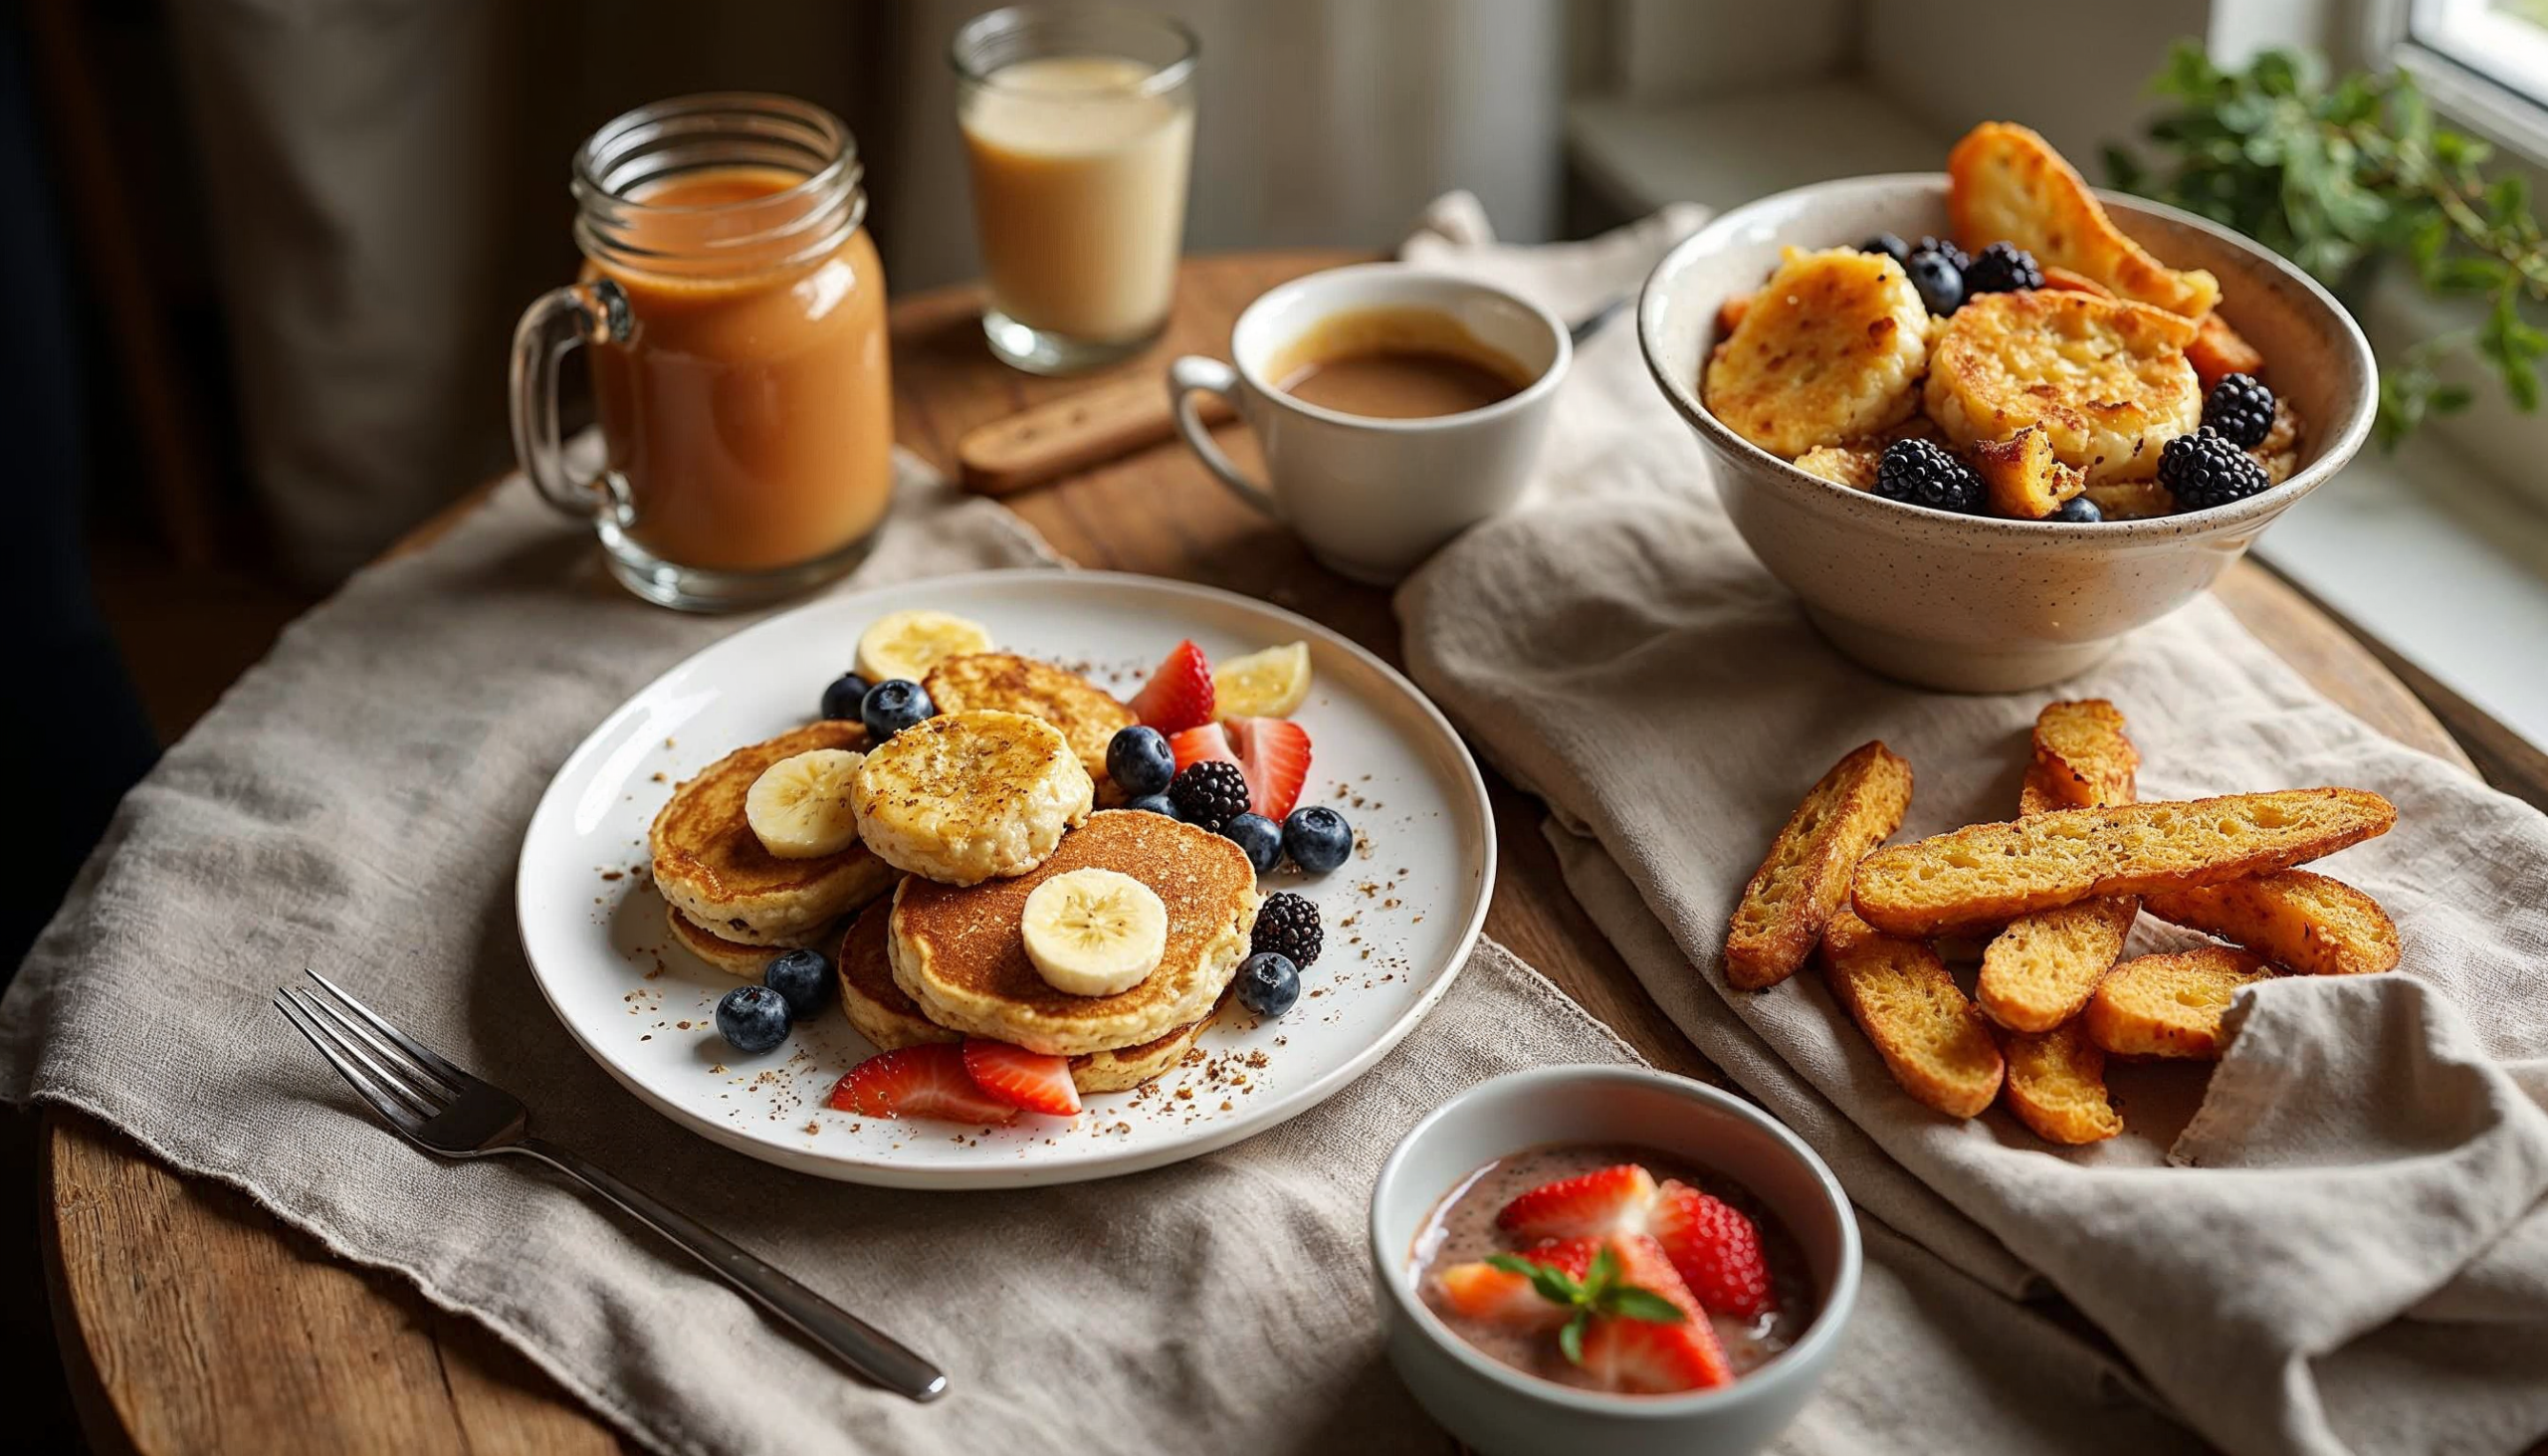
[[404, 1080]]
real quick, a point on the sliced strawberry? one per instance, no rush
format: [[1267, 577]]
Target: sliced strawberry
[[1203, 744], [1604, 1202], [1020, 1078], [924, 1081], [1642, 1358], [1180, 694], [1649, 1356], [1274, 752], [1480, 1291], [1713, 1248]]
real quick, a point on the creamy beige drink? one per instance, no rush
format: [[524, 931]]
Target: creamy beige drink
[[1079, 193]]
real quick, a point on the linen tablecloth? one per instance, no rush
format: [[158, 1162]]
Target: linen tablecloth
[[355, 803], [2339, 1247]]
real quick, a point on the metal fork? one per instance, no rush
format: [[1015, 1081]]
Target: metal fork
[[442, 1108]]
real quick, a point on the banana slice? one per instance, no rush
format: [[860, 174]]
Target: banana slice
[[799, 807], [1093, 932], [1268, 684], [907, 644]]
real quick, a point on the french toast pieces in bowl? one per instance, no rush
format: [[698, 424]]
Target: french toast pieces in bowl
[[2051, 896], [1986, 421]]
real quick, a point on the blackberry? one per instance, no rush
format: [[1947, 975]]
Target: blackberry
[[1945, 247], [1209, 794], [1921, 474], [1287, 925], [2001, 268], [2206, 468], [2240, 407]]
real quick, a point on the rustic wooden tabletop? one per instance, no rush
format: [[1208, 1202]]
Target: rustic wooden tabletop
[[193, 1322]]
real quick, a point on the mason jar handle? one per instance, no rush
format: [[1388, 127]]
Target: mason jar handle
[[1191, 372], [558, 320]]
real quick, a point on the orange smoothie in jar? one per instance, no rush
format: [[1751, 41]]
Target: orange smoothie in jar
[[750, 408]]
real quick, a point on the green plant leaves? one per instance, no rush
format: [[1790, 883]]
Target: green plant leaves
[[2336, 174]]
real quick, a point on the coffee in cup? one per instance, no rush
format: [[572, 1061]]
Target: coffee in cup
[[1396, 363], [1396, 407]]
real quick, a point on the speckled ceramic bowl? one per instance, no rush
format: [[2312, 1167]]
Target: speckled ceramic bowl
[[1979, 605]]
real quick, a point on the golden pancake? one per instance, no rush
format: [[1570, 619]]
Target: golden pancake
[[958, 954], [712, 868], [964, 797], [1088, 717], [734, 958], [889, 1018]]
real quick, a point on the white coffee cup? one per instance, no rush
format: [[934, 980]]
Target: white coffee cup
[[1374, 496]]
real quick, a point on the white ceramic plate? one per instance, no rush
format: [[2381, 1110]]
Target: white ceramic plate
[[1400, 916]]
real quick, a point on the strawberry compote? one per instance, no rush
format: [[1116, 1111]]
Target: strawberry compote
[[1464, 1228]]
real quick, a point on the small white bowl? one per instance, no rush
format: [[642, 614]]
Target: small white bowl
[[1972, 603], [1501, 1412]]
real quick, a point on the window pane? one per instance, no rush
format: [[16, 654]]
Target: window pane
[[2505, 41]]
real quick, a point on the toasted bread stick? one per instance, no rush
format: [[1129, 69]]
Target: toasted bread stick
[[1807, 875], [1932, 1039], [2170, 1005], [2039, 972], [2058, 1084], [2087, 760], [2002, 871], [2306, 922], [2041, 969]]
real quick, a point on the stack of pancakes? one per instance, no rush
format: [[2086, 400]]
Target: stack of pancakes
[[939, 962], [734, 902]]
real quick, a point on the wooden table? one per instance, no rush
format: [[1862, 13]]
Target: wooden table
[[191, 1322]]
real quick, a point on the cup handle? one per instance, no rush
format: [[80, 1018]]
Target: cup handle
[[1189, 373], [558, 320]]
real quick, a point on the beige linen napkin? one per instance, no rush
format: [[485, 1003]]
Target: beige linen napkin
[[2342, 1247], [356, 805]]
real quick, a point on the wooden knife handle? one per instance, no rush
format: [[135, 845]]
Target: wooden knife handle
[[1070, 434]]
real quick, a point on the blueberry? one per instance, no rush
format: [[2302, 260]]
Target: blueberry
[[1155, 804], [2078, 510], [893, 706], [1890, 245], [1138, 761], [1257, 835], [842, 697], [1316, 838], [754, 1019], [804, 977], [1268, 983], [1940, 284]]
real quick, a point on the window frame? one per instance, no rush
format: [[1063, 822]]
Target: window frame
[[2471, 93]]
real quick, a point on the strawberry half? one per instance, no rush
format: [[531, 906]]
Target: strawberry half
[[1274, 754], [1204, 744], [1649, 1356], [925, 1080], [1180, 694], [1713, 1248], [1020, 1078], [1479, 1291], [1609, 1201]]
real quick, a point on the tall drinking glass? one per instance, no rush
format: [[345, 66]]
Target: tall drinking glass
[[1079, 128]]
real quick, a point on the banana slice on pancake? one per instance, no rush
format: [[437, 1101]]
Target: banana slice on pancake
[[1093, 932], [800, 808]]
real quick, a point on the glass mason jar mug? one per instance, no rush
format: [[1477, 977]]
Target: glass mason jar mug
[[734, 308]]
